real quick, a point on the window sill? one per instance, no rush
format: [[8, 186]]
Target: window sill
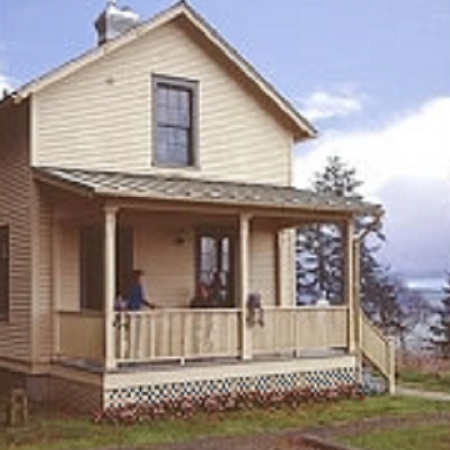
[[190, 168]]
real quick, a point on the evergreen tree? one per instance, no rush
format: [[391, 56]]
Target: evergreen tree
[[320, 247], [441, 330], [320, 256], [320, 263]]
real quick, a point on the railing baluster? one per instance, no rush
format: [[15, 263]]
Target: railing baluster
[[153, 342], [122, 333], [132, 336]]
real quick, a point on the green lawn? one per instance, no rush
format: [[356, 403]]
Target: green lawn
[[54, 431], [425, 380], [421, 437]]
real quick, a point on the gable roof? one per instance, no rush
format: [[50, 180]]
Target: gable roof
[[300, 127], [176, 189]]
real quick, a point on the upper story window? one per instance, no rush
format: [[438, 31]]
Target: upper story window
[[175, 122]]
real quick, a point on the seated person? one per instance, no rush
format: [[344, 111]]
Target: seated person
[[201, 298], [216, 292]]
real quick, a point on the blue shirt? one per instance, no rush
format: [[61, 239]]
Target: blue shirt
[[136, 297]]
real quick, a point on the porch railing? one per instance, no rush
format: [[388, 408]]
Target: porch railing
[[176, 334], [81, 336], [189, 334], [296, 329]]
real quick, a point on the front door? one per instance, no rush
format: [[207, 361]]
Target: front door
[[215, 255]]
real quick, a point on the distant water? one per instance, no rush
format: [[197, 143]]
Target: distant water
[[432, 284], [431, 289]]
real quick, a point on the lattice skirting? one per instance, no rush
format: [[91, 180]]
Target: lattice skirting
[[315, 380]]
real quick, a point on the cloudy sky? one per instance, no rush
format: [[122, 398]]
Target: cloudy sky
[[372, 75]]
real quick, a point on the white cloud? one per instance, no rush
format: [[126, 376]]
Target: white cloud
[[321, 105], [5, 84], [413, 146], [405, 165], [5, 81], [416, 224]]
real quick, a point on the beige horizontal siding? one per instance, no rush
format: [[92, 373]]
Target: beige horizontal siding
[[67, 289], [15, 197], [263, 265], [42, 276], [169, 267], [100, 116], [287, 260]]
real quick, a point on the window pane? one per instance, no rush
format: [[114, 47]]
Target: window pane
[[172, 146], [225, 254], [174, 125], [208, 259]]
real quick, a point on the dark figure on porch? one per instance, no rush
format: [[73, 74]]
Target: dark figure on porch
[[202, 297], [216, 292], [136, 297]]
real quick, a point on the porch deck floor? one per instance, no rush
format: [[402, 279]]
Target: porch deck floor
[[170, 366]]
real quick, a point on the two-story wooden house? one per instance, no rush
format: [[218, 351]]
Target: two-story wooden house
[[162, 149]]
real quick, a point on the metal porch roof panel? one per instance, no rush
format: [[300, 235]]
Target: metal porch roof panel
[[156, 187]]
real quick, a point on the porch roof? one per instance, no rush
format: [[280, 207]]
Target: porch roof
[[157, 187]]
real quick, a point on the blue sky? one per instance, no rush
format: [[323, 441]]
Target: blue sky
[[372, 75]]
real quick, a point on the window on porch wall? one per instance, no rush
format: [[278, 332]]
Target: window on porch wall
[[215, 255], [92, 265]]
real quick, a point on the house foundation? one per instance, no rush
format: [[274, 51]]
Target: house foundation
[[137, 385]]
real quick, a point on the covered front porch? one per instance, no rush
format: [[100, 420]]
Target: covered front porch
[[181, 233], [249, 247]]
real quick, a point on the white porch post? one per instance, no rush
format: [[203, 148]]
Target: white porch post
[[279, 260], [357, 312], [110, 284], [244, 230], [350, 285], [285, 267]]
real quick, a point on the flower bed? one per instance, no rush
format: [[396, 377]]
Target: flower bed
[[220, 403]]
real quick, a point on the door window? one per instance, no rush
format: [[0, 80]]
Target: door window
[[215, 265]]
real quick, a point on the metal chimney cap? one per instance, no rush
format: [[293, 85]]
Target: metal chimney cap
[[114, 21]]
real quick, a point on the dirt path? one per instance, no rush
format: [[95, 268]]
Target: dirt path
[[280, 441], [377, 423], [319, 438], [429, 395]]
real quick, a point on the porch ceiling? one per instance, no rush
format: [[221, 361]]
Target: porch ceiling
[[175, 189]]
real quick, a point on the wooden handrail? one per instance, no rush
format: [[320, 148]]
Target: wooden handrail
[[374, 328], [385, 359]]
